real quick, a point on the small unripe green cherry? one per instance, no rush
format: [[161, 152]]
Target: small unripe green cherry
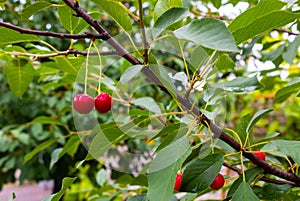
[[218, 182], [178, 182], [83, 103]]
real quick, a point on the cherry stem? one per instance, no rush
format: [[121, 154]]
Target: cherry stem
[[86, 67], [100, 66]]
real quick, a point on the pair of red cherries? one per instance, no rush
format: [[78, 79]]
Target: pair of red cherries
[[219, 180], [84, 104], [217, 183]]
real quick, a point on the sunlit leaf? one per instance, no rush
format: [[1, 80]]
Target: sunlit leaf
[[285, 92], [46, 120], [117, 12], [208, 32], [68, 20], [169, 17], [257, 116], [34, 8], [257, 20], [162, 6], [288, 147], [19, 73], [247, 17], [9, 36]]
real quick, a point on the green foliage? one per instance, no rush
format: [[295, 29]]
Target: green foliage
[[208, 32]]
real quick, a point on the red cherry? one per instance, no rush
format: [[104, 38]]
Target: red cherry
[[218, 182], [260, 154], [178, 182], [103, 103], [83, 103]]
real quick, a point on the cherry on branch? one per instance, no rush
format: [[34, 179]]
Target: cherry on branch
[[103, 103], [83, 103]]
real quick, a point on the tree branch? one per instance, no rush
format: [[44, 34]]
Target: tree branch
[[145, 44], [55, 54], [52, 34], [266, 179], [286, 31]]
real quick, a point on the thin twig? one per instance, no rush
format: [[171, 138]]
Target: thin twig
[[145, 44], [52, 34], [67, 52], [286, 31], [264, 178]]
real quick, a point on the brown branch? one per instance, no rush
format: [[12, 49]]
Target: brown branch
[[77, 52], [264, 178], [145, 44], [286, 31], [48, 33]]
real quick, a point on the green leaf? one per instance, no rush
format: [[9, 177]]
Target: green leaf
[[148, 103], [101, 177], [292, 50], [66, 183], [39, 148], [163, 169], [130, 73], [273, 55], [82, 24], [46, 120], [288, 147], [19, 73], [55, 157], [141, 197], [104, 139], [170, 17], [70, 148], [117, 11], [224, 62], [257, 116], [244, 193], [34, 8], [67, 18], [12, 197], [164, 78], [162, 6], [247, 17], [242, 127], [273, 191], [69, 65], [250, 175], [8, 37], [283, 93], [199, 174], [208, 32], [198, 57], [240, 85], [262, 24]]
